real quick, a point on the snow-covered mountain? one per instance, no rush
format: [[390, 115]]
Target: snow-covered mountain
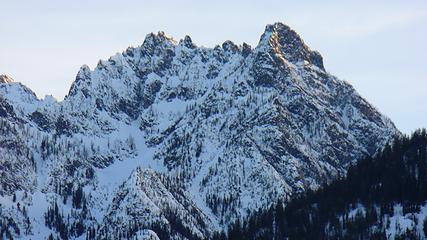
[[172, 140]]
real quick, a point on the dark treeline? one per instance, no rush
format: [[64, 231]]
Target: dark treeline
[[397, 175]]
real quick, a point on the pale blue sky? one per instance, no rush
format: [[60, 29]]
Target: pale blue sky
[[380, 47]]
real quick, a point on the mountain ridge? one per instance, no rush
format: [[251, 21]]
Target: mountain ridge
[[226, 130]]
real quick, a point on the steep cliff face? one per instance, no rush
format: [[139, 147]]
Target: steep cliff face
[[173, 139]]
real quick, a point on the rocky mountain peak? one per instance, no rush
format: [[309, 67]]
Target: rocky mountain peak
[[230, 46], [286, 43], [82, 74], [6, 79], [160, 38], [187, 42]]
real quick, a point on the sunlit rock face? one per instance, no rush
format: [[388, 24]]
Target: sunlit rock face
[[5, 79]]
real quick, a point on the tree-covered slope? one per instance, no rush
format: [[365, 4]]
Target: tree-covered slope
[[383, 197]]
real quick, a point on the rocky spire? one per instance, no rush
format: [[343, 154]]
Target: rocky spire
[[286, 42], [187, 42], [153, 39], [6, 79], [82, 75]]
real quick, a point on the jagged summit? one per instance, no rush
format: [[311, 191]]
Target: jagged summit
[[287, 43], [153, 39], [187, 42], [280, 33], [158, 51], [6, 79]]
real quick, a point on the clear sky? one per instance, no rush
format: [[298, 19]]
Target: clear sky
[[380, 47]]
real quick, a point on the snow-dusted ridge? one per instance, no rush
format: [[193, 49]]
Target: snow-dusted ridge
[[170, 139]]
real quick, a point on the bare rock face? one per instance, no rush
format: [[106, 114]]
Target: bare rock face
[[5, 79], [171, 140]]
